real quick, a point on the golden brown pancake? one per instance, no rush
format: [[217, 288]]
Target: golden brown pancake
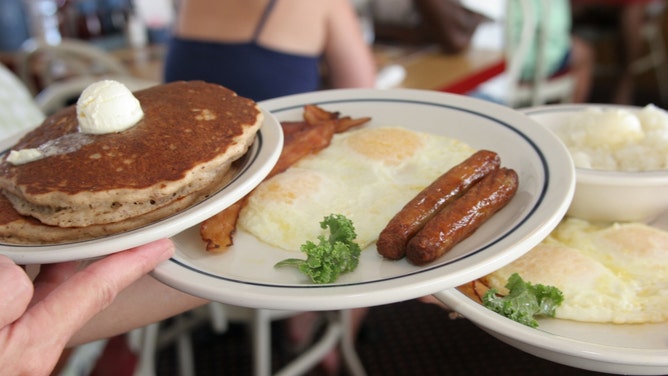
[[190, 134], [21, 229]]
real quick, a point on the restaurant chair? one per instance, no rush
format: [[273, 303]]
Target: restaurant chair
[[41, 64], [542, 88], [57, 74], [147, 341]]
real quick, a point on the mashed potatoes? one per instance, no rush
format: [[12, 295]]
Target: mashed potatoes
[[366, 174], [616, 273], [618, 139]]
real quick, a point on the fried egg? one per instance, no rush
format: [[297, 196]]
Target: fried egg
[[615, 274], [367, 174]]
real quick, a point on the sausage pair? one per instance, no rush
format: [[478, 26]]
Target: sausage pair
[[448, 210]]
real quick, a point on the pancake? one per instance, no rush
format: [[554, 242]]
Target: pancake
[[189, 136], [20, 229]]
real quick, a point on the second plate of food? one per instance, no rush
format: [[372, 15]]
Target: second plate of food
[[607, 327], [244, 274]]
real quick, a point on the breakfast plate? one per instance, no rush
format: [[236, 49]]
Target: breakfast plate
[[639, 349], [252, 168], [245, 275]]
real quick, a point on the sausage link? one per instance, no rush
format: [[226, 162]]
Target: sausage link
[[461, 218], [409, 220]]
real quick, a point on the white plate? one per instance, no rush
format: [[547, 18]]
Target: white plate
[[245, 275], [255, 165], [621, 349]]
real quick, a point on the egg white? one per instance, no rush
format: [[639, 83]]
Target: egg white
[[608, 273], [367, 175]]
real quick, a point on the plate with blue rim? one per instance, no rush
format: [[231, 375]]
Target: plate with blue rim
[[249, 171], [245, 275], [630, 349]]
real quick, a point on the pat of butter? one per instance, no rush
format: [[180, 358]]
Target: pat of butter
[[103, 107], [107, 106], [18, 157]]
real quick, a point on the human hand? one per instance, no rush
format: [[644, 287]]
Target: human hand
[[38, 318]]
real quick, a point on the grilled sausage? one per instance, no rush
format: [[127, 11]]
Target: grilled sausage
[[462, 217], [392, 240]]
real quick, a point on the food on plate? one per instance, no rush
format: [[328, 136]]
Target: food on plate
[[93, 185], [312, 135], [367, 174], [301, 143], [217, 231], [445, 189], [334, 255], [301, 138], [608, 273], [618, 138], [524, 301], [314, 115], [107, 106], [462, 217]]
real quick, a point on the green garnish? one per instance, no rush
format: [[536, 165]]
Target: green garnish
[[332, 256], [524, 301]]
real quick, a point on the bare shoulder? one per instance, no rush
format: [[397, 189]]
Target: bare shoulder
[[305, 9], [340, 7], [298, 26]]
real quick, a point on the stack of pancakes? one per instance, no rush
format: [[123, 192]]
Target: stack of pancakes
[[181, 151]]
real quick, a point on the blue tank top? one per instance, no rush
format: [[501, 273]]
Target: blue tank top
[[248, 68]]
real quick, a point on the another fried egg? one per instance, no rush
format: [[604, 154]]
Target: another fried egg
[[616, 273], [367, 174]]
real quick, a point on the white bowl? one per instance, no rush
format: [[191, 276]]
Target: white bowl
[[611, 196]]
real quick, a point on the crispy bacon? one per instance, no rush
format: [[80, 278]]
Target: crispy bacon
[[218, 230], [302, 143]]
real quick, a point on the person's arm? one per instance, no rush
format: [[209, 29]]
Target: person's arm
[[37, 319], [144, 302], [348, 58]]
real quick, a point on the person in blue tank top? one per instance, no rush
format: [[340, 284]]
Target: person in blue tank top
[[269, 48], [265, 49]]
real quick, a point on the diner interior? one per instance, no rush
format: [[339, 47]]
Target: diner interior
[[58, 47]]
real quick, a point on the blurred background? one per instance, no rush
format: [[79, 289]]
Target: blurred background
[[623, 36], [52, 44]]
